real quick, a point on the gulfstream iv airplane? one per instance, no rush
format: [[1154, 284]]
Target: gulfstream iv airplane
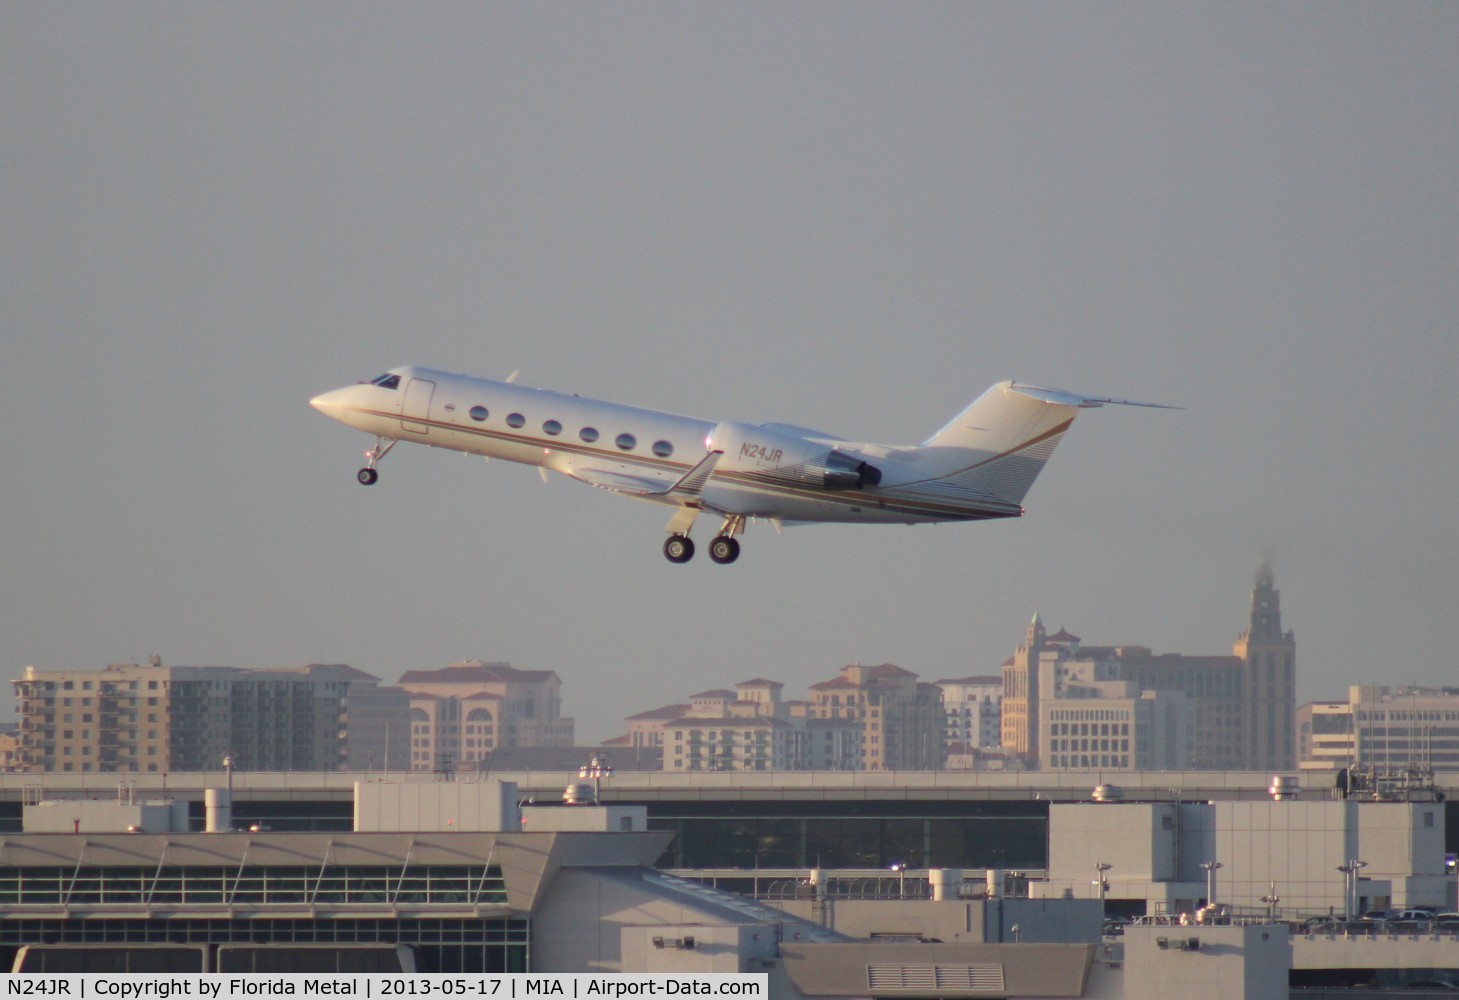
[[977, 467]]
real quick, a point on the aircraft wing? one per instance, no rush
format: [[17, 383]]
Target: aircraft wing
[[643, 482], [619, 482]]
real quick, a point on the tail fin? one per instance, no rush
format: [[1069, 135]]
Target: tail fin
[[996, 448]]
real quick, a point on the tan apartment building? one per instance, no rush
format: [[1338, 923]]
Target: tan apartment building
[[746, 729], [154, 718], [867, 718], [463, 712], [901, 719]]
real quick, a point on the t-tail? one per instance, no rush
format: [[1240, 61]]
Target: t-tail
[[994, 450]]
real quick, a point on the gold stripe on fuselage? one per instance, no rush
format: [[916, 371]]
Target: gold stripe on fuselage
[[880, 501]]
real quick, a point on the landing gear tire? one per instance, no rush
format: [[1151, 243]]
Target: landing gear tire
[[678, 548], [367, 477], [724, 550]]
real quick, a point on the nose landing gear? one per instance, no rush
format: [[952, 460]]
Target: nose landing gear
[[368, 476]]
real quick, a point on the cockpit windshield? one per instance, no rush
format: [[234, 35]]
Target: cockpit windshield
[[387, 381]]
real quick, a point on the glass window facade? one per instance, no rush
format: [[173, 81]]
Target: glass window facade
[[749, 835], [492, 944], [252, 884]]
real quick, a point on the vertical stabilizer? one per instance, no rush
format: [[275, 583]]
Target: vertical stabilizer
[[995, 448]]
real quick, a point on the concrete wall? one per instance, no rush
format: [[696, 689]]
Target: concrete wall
[[722, 948], [1231, 963], [955, 921], [945, 920], [442, 806], [1156, 850], [1381, 951], [1404, 845], [584, 819], [99, 816], [585, 923], [1139, 839]]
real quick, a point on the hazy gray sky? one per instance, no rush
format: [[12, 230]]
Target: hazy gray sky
[[842, 215]]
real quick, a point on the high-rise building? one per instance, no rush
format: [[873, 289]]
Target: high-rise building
[[1096, 720], [377, 728], [1239, 708], [974, 710], [747, 729], [148, 717], [867, 718], [1019, 711], [1268, 681], [461, 713], [1382, 729], [646, 729], [901, 719]]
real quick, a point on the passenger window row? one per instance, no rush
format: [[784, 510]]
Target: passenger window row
[[625, 442]]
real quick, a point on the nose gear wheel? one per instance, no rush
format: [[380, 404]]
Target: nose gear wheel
[[368, 476]]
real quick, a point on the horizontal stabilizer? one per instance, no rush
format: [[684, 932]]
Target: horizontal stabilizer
[[1062, 398], [798, 431]]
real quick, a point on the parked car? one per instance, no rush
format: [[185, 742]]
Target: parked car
[[1424, 913], [1401, 925]]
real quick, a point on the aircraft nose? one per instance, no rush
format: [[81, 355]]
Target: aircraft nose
[[329, 403]]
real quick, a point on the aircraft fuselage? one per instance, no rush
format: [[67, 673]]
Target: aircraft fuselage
[[591, 439]]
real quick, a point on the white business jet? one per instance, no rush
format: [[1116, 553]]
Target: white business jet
[[979, 466]]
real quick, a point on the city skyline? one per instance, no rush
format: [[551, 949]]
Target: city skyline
[[851, 218], [1264, 611]]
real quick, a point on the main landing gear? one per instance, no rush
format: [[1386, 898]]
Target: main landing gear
[[368, 476], [724, 550], [679, 547]]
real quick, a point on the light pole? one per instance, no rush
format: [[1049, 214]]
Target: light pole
[[1350, 886], [900, 867], [1271, 899], [1100, 867], [230, 760], [1210, 868], [596, 768]]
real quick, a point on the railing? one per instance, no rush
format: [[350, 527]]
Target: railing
[[250, 886]]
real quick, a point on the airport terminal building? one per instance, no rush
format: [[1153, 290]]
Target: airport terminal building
[[864, 884]]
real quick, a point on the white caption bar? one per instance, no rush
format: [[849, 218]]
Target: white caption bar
[[221, 986]]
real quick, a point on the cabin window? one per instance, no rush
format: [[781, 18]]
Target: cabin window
[[387, 381], [588, 434], [626, 441], [478, 413], [552, 427], [663, 449], [515, 420]]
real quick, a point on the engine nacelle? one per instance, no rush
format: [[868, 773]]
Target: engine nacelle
[[788, 460]]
